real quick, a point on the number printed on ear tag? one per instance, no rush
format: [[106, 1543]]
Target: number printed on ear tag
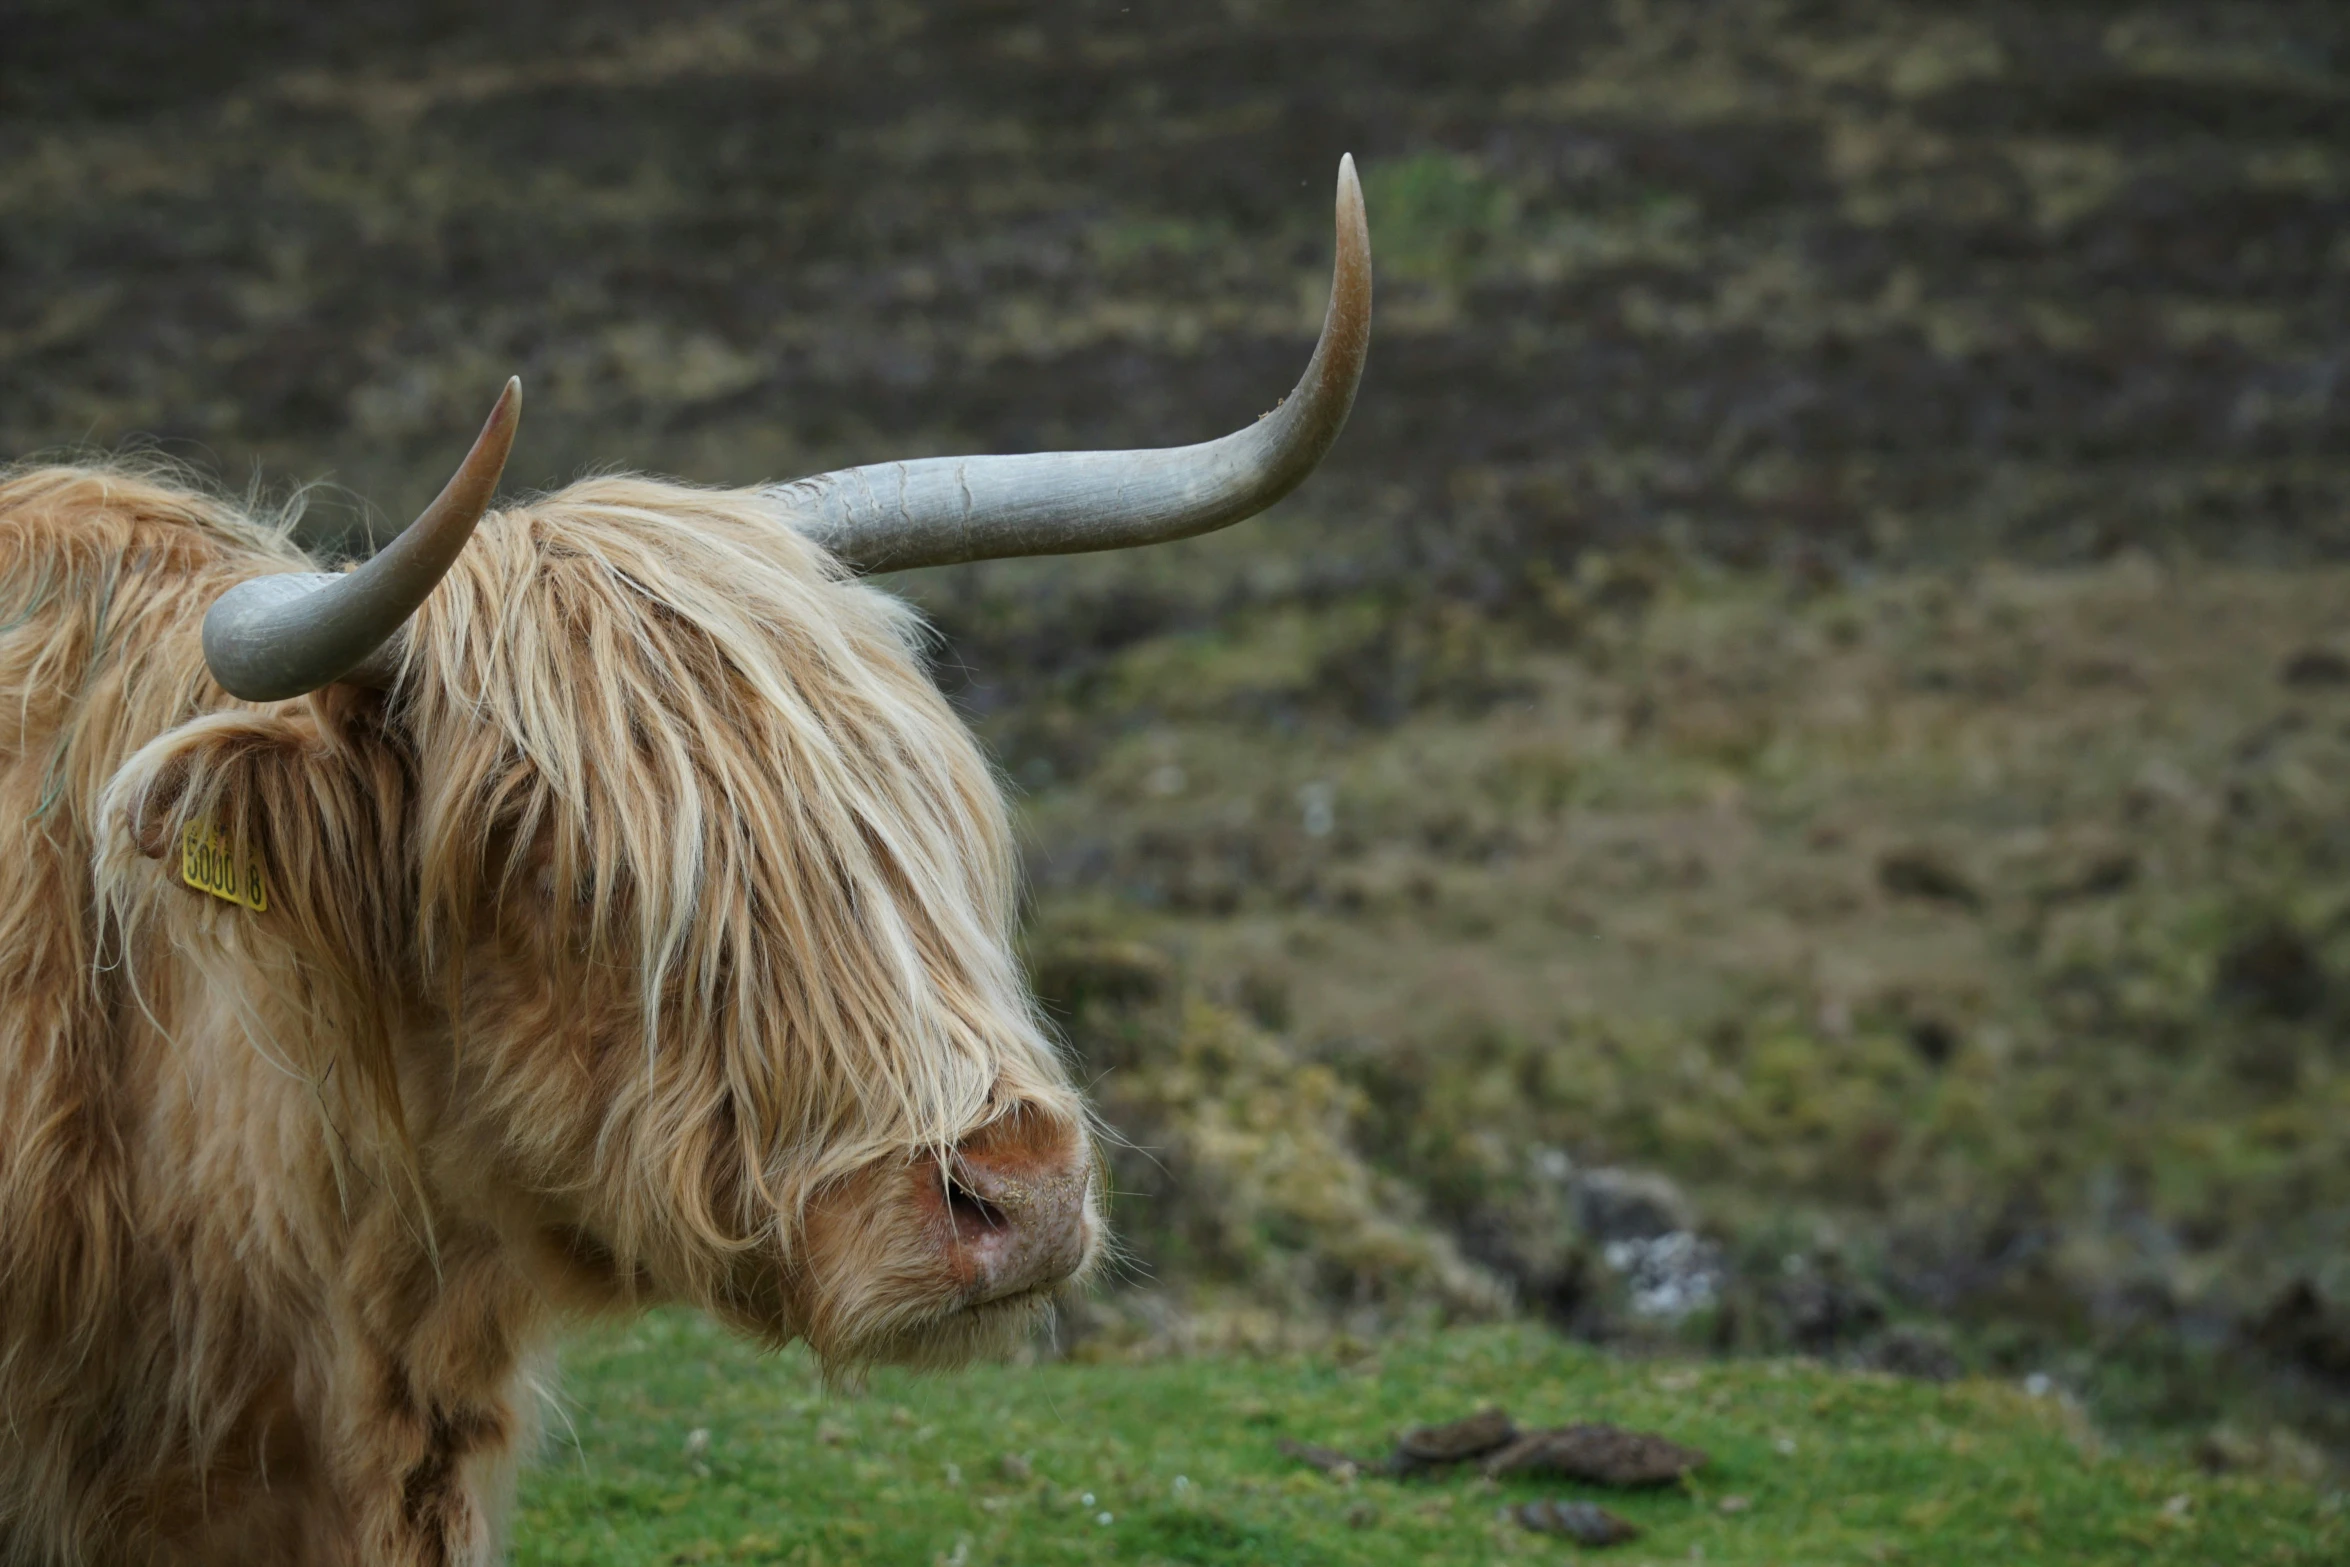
[[209, 864]]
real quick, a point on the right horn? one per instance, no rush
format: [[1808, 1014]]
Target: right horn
[[942, 510], [280, 636]]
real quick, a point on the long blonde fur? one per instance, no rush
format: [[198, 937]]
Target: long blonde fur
[[643, 942]]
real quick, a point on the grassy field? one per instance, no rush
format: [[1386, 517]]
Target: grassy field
[[682, 1446]]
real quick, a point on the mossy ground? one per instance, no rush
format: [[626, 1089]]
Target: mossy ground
[[1176, 1461], [1981, 930]]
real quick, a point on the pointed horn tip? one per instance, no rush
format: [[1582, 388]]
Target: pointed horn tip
[[496, 440], [508, 410], [1354, 226]]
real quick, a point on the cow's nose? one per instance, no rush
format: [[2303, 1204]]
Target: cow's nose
[[1018, 1202]]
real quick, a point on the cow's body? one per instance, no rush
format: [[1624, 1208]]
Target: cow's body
[[292, 1203]]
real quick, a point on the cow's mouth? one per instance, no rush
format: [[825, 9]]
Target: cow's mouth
[[950, 1337]]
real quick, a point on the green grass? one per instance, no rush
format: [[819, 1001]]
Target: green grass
[[1176, 1461]]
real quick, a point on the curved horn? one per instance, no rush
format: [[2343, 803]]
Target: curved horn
[[942, 510], [281, 636]]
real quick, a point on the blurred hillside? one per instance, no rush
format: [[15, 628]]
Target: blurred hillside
[[1814, 672]]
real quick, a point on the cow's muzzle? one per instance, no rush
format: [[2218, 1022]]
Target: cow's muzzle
[[1018, 1199]]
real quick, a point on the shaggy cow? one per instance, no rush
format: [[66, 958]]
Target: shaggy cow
[[591, 908]]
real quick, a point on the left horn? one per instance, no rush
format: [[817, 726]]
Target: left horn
[[942, 510], [281, 636]]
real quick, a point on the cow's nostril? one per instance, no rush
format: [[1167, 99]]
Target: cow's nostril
[[972, 1211]]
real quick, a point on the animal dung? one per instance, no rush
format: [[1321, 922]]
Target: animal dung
[[1454, 1442], [1597, 1455], [1591, 1453], [1585, 1523]]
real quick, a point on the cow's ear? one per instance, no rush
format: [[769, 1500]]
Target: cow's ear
[[282, 879], [293, 812], [223, 772]]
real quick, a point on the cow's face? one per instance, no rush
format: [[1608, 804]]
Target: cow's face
[[727, 895], [704, 898]]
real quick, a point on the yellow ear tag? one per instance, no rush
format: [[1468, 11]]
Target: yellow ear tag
[[208, 864]]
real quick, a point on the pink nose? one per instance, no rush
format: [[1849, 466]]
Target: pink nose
[[1017, 1206]]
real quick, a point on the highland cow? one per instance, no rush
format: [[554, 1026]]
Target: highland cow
[[577, 906]]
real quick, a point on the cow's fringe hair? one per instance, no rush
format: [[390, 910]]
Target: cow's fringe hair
[[614, 681]]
